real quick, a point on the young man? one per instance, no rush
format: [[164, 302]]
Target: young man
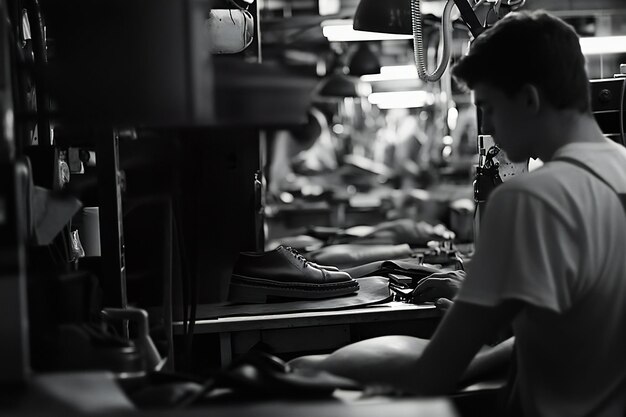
[[550, 259]]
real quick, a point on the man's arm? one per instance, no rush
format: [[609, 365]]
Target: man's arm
[[489, 361], [462, 332]]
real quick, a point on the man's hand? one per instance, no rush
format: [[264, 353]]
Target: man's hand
[[443, 304], [438, 285]]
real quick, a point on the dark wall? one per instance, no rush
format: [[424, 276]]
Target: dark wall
[[218, 205]]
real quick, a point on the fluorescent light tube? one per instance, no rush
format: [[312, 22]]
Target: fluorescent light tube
[[603, 45], [340, 30], [401, 99], [393, 73]]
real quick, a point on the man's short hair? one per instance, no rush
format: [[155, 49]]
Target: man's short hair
[[529, 48]]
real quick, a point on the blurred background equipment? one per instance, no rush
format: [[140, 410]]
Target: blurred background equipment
[[229, 31], [608, 100]]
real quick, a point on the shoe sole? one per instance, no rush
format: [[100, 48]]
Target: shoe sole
[[257, 290]]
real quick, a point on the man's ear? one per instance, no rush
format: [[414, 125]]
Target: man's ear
[[530, 97]]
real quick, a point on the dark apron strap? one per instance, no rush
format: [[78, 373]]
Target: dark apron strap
[[573, 161]]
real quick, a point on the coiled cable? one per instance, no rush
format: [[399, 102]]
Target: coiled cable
[[418, 44]]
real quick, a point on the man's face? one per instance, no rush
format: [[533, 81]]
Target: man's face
[[506, 119]]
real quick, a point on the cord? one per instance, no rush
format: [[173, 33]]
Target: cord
[[38, 34], [418, 43], [237, 5], [477, 4], [189, 287]]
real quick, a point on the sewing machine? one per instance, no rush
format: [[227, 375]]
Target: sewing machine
[[493, 169]]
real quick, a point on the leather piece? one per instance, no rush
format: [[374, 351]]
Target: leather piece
[[373, 290], [75, 393], [393, 232], [350, 255], [410, 267], [302, 243]]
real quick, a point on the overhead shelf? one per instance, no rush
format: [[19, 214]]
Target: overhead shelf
[[257, 94]]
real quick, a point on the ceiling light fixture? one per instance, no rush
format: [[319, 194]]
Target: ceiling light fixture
[[393, 73], [328, 7], [340, 86], [603, 45], [396, 26], [391, 16], [340, 30], [402, 99], [363, 61]]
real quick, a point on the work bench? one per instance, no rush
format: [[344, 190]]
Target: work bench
[[315, 331]]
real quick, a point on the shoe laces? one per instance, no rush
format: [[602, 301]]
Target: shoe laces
[[297, 255]]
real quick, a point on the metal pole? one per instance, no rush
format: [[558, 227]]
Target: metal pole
[[111, 222]]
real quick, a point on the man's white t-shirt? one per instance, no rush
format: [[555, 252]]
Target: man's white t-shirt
[[555, 238]]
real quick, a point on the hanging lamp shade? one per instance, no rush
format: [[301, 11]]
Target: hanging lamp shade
[[394, 16], [341, 86], [364, 61], [385, 16]]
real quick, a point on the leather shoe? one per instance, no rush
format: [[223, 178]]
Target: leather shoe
[[285, 273], [313, 264]]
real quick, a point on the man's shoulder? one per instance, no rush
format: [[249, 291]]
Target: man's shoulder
[[542, 182], [553, 188]]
